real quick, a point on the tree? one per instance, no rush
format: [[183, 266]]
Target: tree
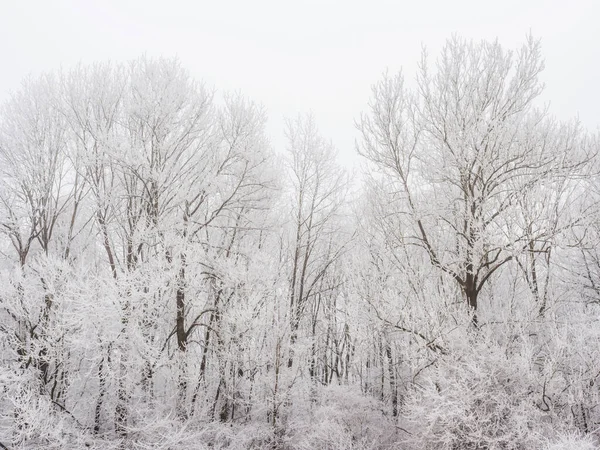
[[461, 150], [319, 188]]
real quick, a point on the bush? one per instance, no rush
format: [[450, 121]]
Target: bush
[[344, 419], [479, 397], [571, 441]]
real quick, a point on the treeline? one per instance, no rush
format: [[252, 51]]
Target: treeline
[[170, 281]]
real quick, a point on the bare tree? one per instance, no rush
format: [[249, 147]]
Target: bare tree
[[461, 150], [319, 187]]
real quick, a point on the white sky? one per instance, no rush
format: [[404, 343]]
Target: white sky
[[319, 56]]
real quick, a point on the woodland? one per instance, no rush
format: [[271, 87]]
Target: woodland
[[170, 280]]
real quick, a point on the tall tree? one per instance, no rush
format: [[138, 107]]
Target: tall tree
[[319, 187], [461, 150]]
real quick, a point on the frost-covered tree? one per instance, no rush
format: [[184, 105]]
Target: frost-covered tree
[[460, 153]]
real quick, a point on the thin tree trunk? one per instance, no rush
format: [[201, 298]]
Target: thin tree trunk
[[101, 394], [392, 375]]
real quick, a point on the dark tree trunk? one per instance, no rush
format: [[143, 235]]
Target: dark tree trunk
[[471, 292], [101, 393], [392, 375], [180, 304]]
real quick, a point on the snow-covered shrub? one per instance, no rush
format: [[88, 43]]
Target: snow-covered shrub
[[478, 397], [571, 441], [29, 420], [344, 418]]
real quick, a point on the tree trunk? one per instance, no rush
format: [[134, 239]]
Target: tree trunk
[[471, 292], [101, 393], [392, 375]]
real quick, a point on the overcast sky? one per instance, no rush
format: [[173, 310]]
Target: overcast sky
[[319, 56]]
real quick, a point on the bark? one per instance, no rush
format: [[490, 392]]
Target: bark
[[101, 394], [392, 375]]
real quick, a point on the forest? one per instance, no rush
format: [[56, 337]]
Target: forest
[[170, 280]]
